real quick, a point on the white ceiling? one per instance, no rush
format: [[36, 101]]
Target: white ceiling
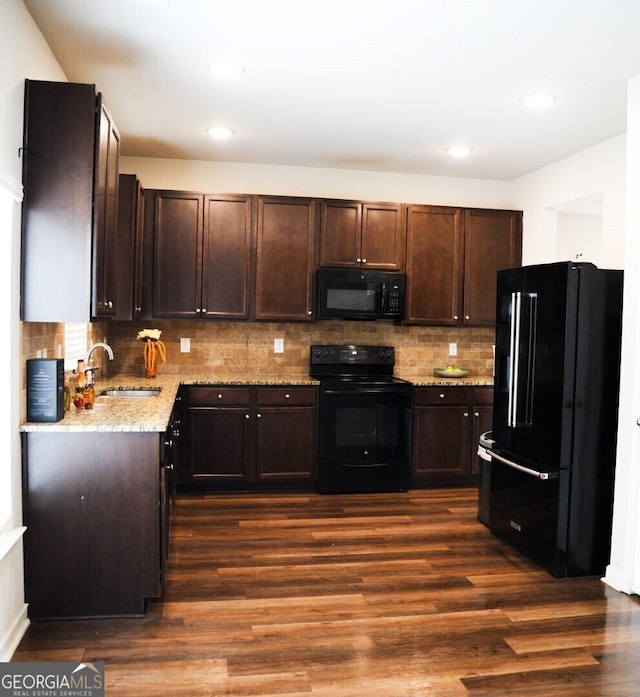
[[380, 85]]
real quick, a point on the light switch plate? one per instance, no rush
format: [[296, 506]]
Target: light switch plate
[[278, 345], [453, 349], [185, 345]]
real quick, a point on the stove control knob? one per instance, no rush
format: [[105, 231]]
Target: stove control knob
[[320, 353]]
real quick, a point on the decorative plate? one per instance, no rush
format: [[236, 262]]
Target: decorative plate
[[451, 372]]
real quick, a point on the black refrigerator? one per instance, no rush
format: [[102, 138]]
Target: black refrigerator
[[557, 376]]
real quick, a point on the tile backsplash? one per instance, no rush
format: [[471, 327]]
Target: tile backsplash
[[236, 347], [227, 348]]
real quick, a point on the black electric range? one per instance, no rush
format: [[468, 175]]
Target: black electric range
[[364, 427]]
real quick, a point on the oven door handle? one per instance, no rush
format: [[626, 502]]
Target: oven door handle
[[360, 390], [521, 468]]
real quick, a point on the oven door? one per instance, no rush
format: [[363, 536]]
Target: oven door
[[364, 439]]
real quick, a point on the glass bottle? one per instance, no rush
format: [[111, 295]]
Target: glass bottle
[[81, 383]]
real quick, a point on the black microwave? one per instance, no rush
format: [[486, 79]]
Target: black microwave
[[360, 294]]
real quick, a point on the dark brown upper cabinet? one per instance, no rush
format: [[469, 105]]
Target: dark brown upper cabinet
[[434, 265], [355, 234], [129, 248], [69, 215], [492, 241], [285, 258], [453, 256], [202, 262]]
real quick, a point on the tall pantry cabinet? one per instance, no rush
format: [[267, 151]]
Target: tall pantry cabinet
[[70, 157]]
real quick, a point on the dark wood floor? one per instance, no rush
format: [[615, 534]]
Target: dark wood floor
[[392, 595]]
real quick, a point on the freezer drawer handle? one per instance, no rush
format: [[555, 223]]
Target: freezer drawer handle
[[526, 470]]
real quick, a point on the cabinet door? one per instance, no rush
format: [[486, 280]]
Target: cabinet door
[[441, 441], [493, 241], [104, 509], [58, 171], [434, 265], [103, 295], [219, 444], [354, 234], [227, 256], [285, 443], [383, 236], [178, 232], [340, 228], [128, 241], [285, 258]]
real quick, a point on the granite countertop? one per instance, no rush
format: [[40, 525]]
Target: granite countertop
[[434, 381], [121, 414]]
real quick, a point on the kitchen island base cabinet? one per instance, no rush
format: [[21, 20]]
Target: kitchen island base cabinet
[[93, 512], [447, 423]]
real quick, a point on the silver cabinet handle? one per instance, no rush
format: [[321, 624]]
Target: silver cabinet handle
[[358, 260], [441, 396], [455, 317], [287, 396], [465, 414], [219, 396], [364, 261], [246, 416], [259, 416]]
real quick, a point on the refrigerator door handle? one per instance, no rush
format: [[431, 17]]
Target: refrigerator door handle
[[514, 340], [522, 468], [522, 334]]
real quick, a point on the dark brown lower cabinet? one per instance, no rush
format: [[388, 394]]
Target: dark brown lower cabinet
[[249, 437], [94, 511], [447, 422]]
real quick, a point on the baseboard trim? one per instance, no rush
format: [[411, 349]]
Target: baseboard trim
[[12, 638]]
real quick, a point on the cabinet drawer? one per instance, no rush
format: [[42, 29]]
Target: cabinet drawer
[[210, 396], [483, 395], [455, 396], [285, 395]]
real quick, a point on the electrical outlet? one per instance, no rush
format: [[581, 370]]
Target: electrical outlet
[[185, 345], [38, 353], [278, 345], [453, 349]]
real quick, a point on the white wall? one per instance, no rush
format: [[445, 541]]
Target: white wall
[[597, 170], [623, 572], [23, 53], [580, 237], [227, 177]]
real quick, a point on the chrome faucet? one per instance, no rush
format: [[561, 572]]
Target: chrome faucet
[[92, 368]]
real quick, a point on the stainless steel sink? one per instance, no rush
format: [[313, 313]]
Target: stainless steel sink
[[131, 392]]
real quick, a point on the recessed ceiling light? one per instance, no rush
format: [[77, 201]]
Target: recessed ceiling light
[[459, 151], [220, 132], [159, 3], [227, 70], [538, 101]]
